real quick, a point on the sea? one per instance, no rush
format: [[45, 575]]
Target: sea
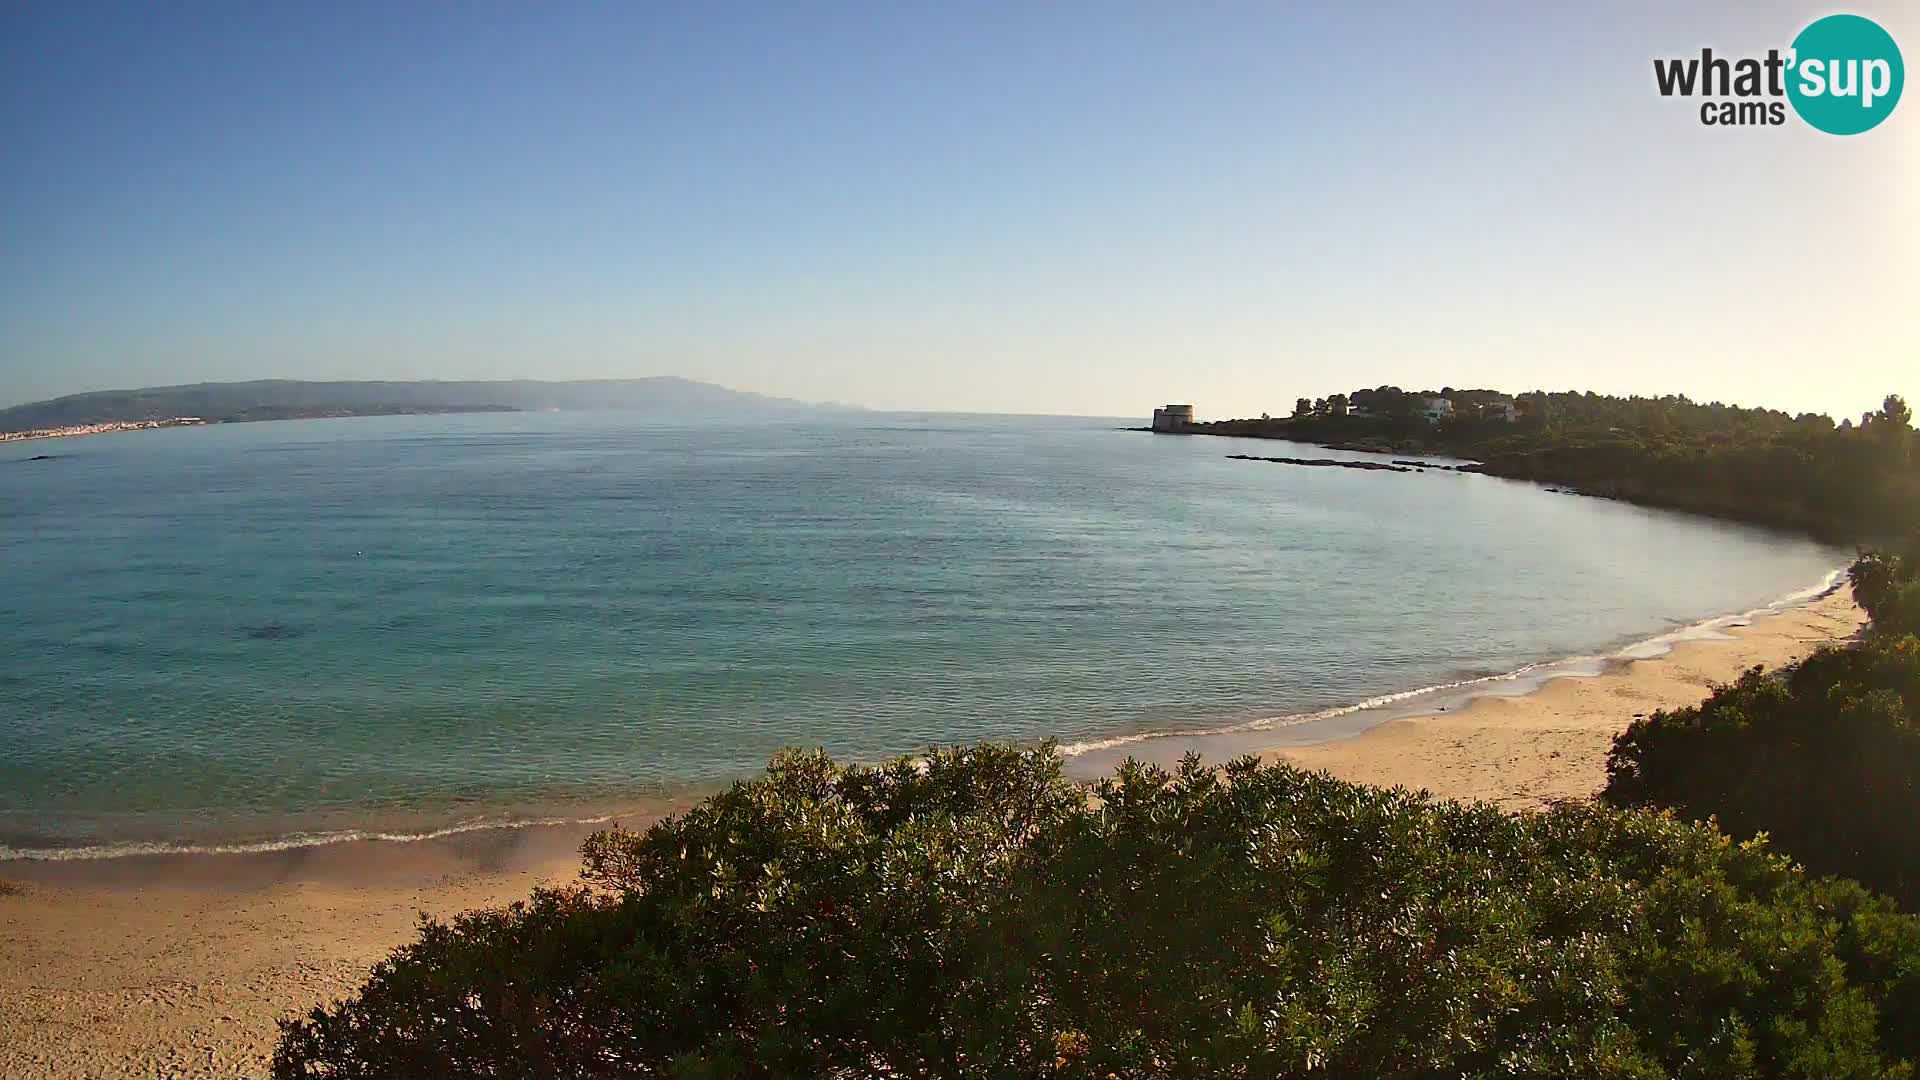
[[251, 636]]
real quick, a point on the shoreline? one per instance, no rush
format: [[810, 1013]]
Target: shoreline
[[414, 828], [104, 427], [1528, 751], [1086, 759], [1093, 758], [115, 427], [181, 964], [1683, 500]]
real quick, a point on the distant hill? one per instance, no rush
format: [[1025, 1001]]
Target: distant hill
[[277, 399]]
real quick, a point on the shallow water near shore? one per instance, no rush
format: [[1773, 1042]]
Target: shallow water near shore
[[279, 634]]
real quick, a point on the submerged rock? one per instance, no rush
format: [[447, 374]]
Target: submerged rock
[[1369, 466]]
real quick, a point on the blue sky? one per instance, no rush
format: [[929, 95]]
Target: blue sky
[[1086, 208]]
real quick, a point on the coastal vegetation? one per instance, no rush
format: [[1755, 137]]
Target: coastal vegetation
[[975, 914], [1850, 481], [1824, 758]]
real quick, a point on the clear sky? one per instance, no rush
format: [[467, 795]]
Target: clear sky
[[1036, 207]]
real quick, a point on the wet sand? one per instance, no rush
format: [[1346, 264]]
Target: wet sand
[[1551, 744], [180, 965]]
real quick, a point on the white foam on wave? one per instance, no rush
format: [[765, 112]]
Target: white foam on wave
[[1715, 629], [1268, 723], [1568, 667], [288, 842], [1571, 667], [1827, 587]]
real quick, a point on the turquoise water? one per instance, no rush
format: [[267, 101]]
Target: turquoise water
[[230, 634]]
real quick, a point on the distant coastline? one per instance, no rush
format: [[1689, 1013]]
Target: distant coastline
[[1842, 482], [250, 416], [288, 399], [74, 430]]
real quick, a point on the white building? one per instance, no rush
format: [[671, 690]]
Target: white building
[[1435, 408]]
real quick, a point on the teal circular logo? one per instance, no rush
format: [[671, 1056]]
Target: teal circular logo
[[1845, 74]]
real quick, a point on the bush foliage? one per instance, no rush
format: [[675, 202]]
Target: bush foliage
[[1887, 584], [1824, 758], [975, 914]]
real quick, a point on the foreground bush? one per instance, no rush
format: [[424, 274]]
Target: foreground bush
[[1887, 584], [978, 916], [1824, 758]]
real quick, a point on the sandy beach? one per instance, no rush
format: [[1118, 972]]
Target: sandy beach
[[180, 965], [1551, 744]]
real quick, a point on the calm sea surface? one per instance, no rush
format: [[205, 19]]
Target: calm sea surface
[[235, 633]]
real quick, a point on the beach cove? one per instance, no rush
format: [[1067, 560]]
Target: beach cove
[[247, 636], [180, 965]]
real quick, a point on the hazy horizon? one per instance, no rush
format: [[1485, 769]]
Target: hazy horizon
[[1077, 209], [1142, 414]]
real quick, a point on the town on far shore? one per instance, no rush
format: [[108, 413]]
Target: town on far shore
[[99, 429]]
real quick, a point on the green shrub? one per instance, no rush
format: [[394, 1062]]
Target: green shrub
[[1824, 758], [1887, 585], [977, 915]]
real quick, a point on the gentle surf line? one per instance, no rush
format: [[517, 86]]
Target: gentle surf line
[[1536, 673], [283, 843]]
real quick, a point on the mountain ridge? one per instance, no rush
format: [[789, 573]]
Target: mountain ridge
[[262, 399]]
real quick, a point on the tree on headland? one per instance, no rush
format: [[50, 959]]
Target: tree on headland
[[1841, 482], [1894, 411], [1893, 427]]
